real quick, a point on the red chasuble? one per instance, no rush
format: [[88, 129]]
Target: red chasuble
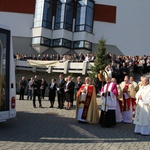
[[87, 102]]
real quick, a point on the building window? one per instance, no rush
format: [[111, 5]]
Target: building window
[[68, 22], [48, 14], [84, 16], [80, 16], [89, 17], [64, 15], [82, 44], [41, 40], [59, 18], [61, 43], [43, 14], [36, 40], [38, 13]]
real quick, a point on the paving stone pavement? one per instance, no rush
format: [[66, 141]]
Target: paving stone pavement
[[54, 129]]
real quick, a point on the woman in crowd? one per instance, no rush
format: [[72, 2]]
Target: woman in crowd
[[69, 90], [43, 87]]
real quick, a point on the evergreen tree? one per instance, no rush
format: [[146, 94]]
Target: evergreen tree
[[101, 60]]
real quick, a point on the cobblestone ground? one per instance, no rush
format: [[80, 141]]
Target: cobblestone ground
[[54, 129]]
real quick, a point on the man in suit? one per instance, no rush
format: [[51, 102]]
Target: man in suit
[[36, 91], [60, 91], [52, 92]]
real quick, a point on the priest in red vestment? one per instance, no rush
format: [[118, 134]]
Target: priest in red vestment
[[86, 103]]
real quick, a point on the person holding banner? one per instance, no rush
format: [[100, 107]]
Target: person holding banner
[[86, 104], [109, 95]]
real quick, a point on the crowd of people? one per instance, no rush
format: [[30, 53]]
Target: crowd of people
[[121, 102], [130, 64], [90, 57], [65, 90], [127, 102], [120, 94], [122, 97]]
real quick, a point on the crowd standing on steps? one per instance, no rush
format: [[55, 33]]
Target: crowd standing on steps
[[123, 64]]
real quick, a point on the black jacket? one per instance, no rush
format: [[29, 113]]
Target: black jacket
[[61, 86]]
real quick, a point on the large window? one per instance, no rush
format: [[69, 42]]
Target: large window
[[43, 14], [61, 43], [59, 18], [64, 15], [42, 41], [89, 17], [69, 15], [48, 14], [80, 17], [38, 13], [84, 16], [82, 45], [4, 69]]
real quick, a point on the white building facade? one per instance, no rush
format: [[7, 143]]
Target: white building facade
[[69, 26]]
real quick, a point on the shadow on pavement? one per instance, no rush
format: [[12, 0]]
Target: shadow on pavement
[[53, 128]]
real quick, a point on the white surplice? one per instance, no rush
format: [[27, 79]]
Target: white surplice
[[109, 102], [142, 112], [118, 112]]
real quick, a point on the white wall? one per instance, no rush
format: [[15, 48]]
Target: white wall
[[131, 33], [20, 24]]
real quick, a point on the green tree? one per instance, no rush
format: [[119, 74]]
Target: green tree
[[101, 60]]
